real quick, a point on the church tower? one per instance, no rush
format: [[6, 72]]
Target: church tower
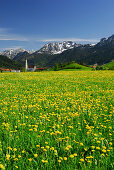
[[26, 64]]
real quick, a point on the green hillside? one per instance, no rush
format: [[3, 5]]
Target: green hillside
[[70, 66], [7, 63], [76, 66], [109, 66]]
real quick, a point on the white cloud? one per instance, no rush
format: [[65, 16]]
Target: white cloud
[[6, 36], [12, 47], [69, 39]]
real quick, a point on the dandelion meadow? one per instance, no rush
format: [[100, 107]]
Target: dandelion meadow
[[56, 120]]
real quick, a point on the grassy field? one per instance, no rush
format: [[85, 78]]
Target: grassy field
[[109, 66], [56, 120], [76, 66]]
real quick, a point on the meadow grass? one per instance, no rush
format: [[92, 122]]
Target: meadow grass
[[56, 120]]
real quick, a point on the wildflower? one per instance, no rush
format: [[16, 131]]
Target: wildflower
[[44, 161], [23, 151], [15, 159], [2, 167], [7, 157], [75, 154], [104, 150], [110, 143], [98, 148], [108, 150], [81, 144], [19, 156], [93, 150], [59, 161], [9, 148], [65, 158], [13, 156], [104, 147], [82, 160], [15, 149], [55, 151], [93, 147], [47, 147], [30, 159], [85, 149], [35, 129], [36, 155], [71, 156], [52, 148]]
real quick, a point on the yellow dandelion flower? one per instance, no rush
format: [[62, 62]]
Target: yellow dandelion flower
[[93, 147], [110, 143], [46, 161], [82, 160], [85, 149], [7, 157], [104, 150], [75, 154], [30, 159], [23, 151], [19, 156], [2, 167], [36, 155], [47, 147], [65, 158], [15, 149], [71, 156], [81, 144], [59, 161], [93, 150]]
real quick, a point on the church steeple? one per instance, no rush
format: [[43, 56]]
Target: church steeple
[[26, 64]]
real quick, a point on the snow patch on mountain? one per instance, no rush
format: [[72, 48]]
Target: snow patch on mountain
[[11, 53], [57, 47]]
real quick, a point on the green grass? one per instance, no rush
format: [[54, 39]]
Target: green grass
[[109, 66], [56, 120], [76, 66]]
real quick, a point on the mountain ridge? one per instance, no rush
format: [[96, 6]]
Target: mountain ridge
[[67, 51]]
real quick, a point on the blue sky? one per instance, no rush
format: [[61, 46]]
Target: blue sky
[[32, 23]]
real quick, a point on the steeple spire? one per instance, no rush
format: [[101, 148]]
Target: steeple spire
[[26, 64]]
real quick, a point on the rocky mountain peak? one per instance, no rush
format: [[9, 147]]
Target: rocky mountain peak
[[57, 47]]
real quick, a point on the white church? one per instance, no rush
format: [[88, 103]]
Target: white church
[[29, 68]]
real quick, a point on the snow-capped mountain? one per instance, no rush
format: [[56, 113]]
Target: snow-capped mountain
[[107, 41], [11, 53], [57, 47]]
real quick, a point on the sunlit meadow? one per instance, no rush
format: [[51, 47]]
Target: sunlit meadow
[[56, 120]]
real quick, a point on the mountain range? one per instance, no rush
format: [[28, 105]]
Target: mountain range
[[67, 51]]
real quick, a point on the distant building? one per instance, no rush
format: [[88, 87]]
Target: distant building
[[26, 64], [29, 67], [9, 70]]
